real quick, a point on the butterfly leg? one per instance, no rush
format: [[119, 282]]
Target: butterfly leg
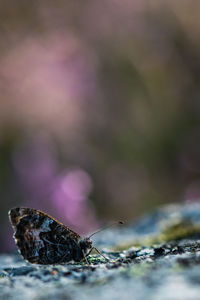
[[99, 252], [85, 257]]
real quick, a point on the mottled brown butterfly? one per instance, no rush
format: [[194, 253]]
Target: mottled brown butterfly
[[43, 240]]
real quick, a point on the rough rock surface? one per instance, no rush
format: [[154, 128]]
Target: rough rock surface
[[157, 258]]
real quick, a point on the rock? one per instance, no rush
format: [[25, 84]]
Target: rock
[[157, 258]]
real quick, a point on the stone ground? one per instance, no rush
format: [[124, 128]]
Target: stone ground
[[156, 258]]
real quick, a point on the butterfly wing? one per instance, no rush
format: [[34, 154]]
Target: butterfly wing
[[41, 239]]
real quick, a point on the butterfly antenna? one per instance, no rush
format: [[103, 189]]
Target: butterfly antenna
[[106, 227]]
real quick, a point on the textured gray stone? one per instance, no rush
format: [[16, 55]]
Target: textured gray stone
[[161, 260]]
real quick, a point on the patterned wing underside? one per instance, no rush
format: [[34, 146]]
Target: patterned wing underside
[[41, 239]]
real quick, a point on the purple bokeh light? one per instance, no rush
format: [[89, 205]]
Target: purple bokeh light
[[70, 193], [63, 193]]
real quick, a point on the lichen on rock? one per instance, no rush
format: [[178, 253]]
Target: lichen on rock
[[157, 258]]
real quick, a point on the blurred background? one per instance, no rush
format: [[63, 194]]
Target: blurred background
[[99, 108]]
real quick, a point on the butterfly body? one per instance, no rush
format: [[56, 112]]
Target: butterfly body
[[43, 240]]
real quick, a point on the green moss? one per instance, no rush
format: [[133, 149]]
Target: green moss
[[95, 259], [180, 230], [92, 259], [177, 230]]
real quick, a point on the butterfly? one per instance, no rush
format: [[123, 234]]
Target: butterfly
[[43, 240]]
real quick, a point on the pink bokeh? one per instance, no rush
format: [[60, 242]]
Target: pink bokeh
[[63, 192]]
